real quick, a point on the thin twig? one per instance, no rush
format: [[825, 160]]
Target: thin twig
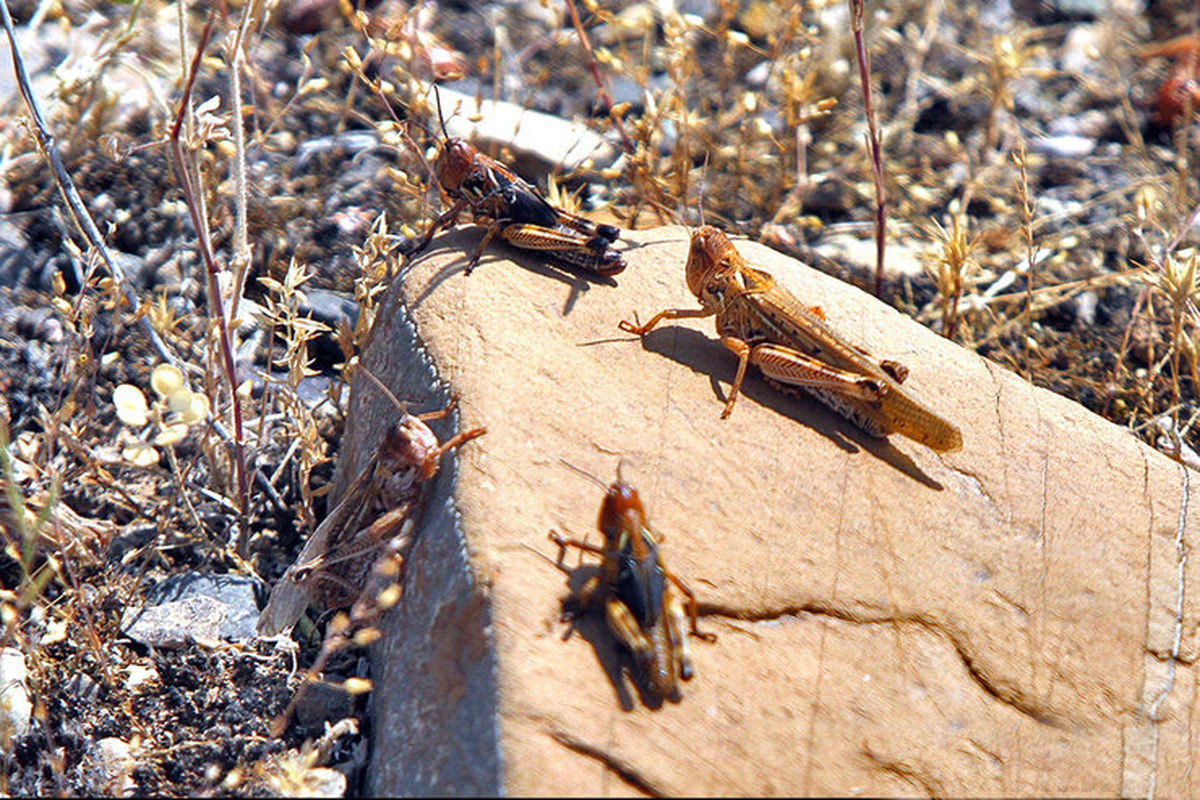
[[864, 74], [1030, 252], [215, 304], [241, 240], [601, 87], [79, 213]]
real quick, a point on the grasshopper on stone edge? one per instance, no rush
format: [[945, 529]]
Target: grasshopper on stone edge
[[516, 211], [793, 345], [642, 599], [375, 522]]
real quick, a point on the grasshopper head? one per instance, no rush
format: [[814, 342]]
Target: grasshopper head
[[454, 163], [410, 444], [621, 512], [709, 246]]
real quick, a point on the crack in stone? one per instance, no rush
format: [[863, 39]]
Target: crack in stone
[[615, 765], [1177, 638], [1139, 767], [910, 775], [1007, 695]]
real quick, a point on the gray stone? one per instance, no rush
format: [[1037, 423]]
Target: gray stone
[[194, 606], [16, 708]]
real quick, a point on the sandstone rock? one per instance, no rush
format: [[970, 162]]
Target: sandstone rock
[[1016, 618]]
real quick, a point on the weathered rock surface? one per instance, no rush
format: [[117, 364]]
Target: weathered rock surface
[[1019, 617]]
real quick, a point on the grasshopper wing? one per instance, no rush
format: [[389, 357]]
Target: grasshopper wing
[[291, 594]]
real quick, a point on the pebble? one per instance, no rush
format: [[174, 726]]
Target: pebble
[[16, 708], [1063, 146], [139, 675], [194, 607], [556, 144], [113, 760], [899, 260]]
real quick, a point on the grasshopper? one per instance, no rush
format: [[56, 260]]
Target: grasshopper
[[793, 345], [375, 521], [515, 210], [641, 597]]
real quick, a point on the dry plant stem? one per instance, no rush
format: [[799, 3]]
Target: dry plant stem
[[1030, 255], [79, 212], [864, 74], [605, 96], [216, 306], [241, 244]]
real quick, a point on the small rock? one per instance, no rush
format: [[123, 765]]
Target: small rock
[[81, 687], [332, 309], [829, 196], [1085, 307], [350, 143], [16, 257], [1063, 146], [546, 142], [325, 782], [39, 323], [138, 675], [1081, 50], [113, 761], [194, 606], [16, 709], [176, 623], [302, 17], [900, 259]]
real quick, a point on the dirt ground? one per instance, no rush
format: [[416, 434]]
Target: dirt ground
[[1038, 161]]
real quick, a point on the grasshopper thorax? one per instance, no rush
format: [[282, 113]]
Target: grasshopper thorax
[[709, 246]]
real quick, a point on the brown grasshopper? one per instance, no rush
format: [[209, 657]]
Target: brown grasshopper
[[765, 325], [641, 598], [516, 211], [375, 521]]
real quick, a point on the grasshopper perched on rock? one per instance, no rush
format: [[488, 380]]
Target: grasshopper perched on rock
[[793, 345], [516, 211], [641, 598], [375, 521]]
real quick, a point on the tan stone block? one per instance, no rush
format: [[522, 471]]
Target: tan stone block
[[996, 621]]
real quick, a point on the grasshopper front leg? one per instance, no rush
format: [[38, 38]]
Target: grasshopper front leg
[[798, 369], [445, 220], [670, 313]]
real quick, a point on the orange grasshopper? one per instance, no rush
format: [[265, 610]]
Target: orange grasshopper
[[793, 345], [641, 598], [515, 210], [374, 522]]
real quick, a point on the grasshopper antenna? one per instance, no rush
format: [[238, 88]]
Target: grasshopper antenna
[[437, 95], [587, 474], [380, 385]]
